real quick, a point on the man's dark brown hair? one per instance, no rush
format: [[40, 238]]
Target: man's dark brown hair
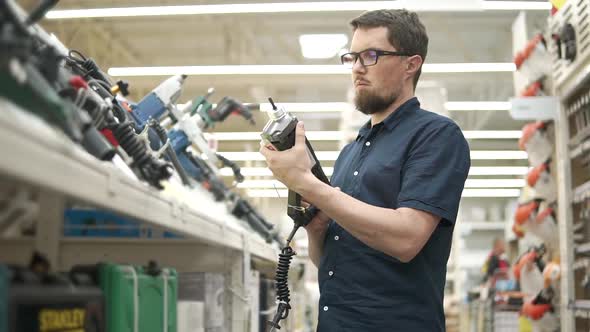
[[405, 31]]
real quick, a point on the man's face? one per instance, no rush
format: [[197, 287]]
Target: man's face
[[378, 86]]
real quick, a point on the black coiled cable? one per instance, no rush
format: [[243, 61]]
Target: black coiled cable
[[282, 286], [170, 154], [151, 169]]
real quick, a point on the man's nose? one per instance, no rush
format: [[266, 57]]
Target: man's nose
[[357, 66]]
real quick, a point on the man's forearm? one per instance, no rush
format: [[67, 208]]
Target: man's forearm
[[398, 233]]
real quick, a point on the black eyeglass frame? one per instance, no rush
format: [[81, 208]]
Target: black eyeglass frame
[[378, 53]]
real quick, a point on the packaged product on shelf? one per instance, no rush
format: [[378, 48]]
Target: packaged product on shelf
[[542, 181], [534, 62], [536, 143], [541, 224], [137, 298], [41, 302], [208, 288], [191, 316], [98, 223]]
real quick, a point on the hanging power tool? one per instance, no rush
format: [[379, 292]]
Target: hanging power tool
[[95, 92], [189, 124], [279, 133]]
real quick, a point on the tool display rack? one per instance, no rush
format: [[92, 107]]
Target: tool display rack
[[572, 85], [58, 174]]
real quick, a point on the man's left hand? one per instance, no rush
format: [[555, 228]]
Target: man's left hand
[[292, 167]]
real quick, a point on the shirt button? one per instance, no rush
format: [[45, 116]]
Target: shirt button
[[356, 173], [368, 144], [325, 308], [331, 273], [336, 238]]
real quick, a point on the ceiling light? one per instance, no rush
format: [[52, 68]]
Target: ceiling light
[[470, 183], [332, 155], [498, 170], [490, 193], [516, 5], [468, 67], [322, 46], [493, 155], [255, 136], [256, 156], [474, 170], [477, 105], [283, 193], [494, 183], [246, 8], [296, 69], [262, 171], [309, 107], [492, 134], [338, 135]]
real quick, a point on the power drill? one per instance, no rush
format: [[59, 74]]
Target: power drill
[[190, 122], [280, 133]]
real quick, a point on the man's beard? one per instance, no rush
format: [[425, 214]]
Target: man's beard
[[369, 103]]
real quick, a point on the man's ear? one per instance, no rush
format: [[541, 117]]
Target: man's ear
[[413, 63]]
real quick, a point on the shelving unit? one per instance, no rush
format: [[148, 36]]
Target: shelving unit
[[572, 85], [36, 156]]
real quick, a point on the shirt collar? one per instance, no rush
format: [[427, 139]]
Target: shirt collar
[[392, 119]]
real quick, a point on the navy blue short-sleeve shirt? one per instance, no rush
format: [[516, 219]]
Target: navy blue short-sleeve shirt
[[415, 159]]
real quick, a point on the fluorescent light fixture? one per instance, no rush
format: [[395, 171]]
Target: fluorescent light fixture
[[332, 155], [322, 46], [262, 171], [477, 105], [468, 67], [470, 183], [498, 170], [256, 156], [250, 8], [491, 193], [244, 8], [492, 134], [492, 155], [309, 107], [493, 183], [255, 136], [338, 135], [474, 170], [283, 193], [516, 5], [297, 69]]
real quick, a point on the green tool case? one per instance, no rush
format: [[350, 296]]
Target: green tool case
[[139, 299]]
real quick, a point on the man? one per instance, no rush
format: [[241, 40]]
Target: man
[[496, 265], [382, 241]]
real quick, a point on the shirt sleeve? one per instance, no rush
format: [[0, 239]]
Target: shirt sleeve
[[434, 173]]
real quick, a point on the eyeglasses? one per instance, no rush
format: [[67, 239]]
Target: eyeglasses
[[367, 57]]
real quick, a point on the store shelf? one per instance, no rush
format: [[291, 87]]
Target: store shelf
[[579, 149], [581, 193], [37, 154], [580, 138], [582, 249]]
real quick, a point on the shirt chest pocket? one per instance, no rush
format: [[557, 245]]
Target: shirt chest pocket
[[380, 182]]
